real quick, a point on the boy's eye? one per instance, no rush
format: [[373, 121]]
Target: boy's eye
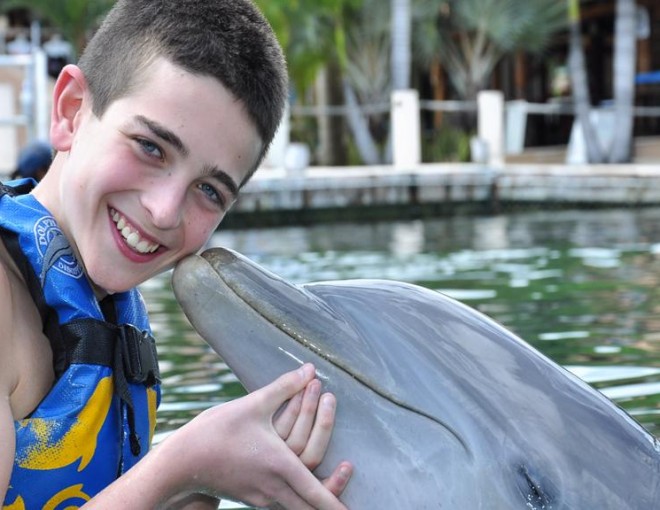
[[150, 148], [212, 193]]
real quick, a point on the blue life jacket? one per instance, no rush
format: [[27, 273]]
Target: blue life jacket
[[99, 417]]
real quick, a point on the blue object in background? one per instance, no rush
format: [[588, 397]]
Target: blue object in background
[[648, 78], [34, 161]]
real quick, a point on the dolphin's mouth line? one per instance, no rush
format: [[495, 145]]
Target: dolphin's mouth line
[[305, 343]]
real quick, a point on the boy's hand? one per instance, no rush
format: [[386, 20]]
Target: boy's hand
[[237, 450], [306, 424]]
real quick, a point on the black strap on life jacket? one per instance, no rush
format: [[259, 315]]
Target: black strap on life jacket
[[130, 353], [20, 189], [96, 342]]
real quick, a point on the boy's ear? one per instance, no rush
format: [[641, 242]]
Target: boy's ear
[[69, 97]]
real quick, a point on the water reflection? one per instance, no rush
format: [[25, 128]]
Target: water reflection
[[582, 286]]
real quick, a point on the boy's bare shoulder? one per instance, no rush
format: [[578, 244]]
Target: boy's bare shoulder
[[7, 372], [26, 372], [8, 376]]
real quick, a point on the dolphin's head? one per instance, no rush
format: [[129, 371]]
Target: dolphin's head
[[438, 406]]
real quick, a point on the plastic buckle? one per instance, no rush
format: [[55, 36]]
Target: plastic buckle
[[139, 356]]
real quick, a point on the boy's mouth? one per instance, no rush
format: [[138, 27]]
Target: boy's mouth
[[131, 235]]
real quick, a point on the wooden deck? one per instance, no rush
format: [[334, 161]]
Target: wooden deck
[[384, 192]]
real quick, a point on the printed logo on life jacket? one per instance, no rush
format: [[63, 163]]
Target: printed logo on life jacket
[[55, 249]]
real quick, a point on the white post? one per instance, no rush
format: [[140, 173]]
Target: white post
[[41, 95], [516, 126], [277, 150], [406, 131], [8, 137], [490, 106]]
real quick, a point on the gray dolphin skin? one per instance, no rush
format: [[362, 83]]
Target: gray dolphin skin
[[438, 406]]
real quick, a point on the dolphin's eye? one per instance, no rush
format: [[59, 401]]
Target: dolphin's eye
[[536, 494]]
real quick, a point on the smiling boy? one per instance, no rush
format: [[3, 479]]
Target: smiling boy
[[170, 111]]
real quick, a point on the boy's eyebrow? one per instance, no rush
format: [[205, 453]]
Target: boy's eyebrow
[[164, 134], [223, 177], [170, 137]]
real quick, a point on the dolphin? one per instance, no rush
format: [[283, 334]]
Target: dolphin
[[439, 407]]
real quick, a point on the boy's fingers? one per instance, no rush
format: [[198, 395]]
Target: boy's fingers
[[317, 443], [285, 419], [319, 495], [290, 501], [285, 387], [338, 480], [299, 436]]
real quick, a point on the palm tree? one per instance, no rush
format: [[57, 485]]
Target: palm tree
[[313, 37], [625, 51], [578, 74], [474, 35], [359, 38], [311, 33], [625, 57], [367, 79]]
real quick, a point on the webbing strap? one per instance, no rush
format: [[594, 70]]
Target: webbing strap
[[97, 342], [49, 318]]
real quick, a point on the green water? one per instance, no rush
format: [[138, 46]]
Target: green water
[[581, 286]]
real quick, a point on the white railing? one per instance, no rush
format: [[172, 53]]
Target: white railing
[[510, 118]]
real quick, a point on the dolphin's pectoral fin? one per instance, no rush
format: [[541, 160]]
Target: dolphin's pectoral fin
[[538, 493]]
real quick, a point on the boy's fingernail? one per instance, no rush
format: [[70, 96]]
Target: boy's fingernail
[[315, 388], [345, 472], [328, 400], [305, 370]]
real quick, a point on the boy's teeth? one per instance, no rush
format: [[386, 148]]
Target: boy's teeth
[[131, 237], [142, 246]]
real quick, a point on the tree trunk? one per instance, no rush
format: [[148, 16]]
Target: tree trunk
[[580, 86], [337, 147], [439, 89], [625, 58], [359, 126]]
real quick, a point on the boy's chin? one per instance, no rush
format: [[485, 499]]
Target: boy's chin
[[102, 287]]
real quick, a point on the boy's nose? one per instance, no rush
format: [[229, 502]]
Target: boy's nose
[[165, 203]]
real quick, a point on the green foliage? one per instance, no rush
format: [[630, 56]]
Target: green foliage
[[573, 11], [510, 24], [311, 33], [304, 129], [368, 50], [448, 144]]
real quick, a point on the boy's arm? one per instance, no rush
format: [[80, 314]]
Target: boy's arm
[[7, 436], [7, 444], [232, 450]]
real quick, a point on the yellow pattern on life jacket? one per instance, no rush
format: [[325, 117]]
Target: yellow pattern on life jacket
[[73, 493], [78, 443], [18, 504], [152, 399]]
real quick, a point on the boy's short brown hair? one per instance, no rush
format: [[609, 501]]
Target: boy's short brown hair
[[228, 40]]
